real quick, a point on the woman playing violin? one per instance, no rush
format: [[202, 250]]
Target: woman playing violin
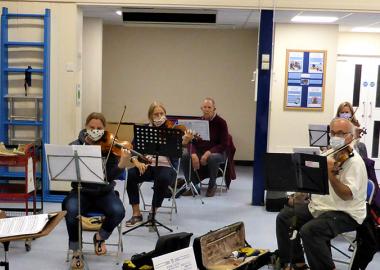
[[99, 197], [164, 174], [345, 110]]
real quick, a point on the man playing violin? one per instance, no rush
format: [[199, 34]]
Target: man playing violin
[[100, 197], [325, 216], [164, 174], [208, 153]]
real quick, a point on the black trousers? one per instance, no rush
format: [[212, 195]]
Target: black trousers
[[163, 176], [315, 233]]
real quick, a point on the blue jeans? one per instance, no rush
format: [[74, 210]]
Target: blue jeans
[[108, 204]]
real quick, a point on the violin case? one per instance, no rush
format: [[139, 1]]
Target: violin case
[[213, 250]]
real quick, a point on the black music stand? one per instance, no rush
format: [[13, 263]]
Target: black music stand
[[296, 172], [157, 141]]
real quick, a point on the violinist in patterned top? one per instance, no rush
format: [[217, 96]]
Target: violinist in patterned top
[[95, 197], [326, 216], [164, 173]]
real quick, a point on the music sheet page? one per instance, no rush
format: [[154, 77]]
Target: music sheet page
[[23, 225], [182, 259], [201, 127]]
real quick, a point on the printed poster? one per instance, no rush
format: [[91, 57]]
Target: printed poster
[[314, 97], [295, 62], [294, 96]]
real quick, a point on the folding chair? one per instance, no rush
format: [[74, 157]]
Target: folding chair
[[221, 175], [173, 189], [119, 243], [349, 237]]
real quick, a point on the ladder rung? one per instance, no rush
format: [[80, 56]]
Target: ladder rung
[[24, 44], [22, 70], [16, 174], [23, 123], [22, 96], [15, 15]]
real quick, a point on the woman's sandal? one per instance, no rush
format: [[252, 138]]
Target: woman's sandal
[[99, 246], [77, 262]]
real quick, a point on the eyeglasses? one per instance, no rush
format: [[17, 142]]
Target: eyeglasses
[[339, 134]]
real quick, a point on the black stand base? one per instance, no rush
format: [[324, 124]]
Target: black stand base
[[5, 263], [152, 222]]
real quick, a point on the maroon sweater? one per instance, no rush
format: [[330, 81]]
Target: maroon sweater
[[218, 137]]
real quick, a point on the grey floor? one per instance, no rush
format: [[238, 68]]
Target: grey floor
[[193, 216]]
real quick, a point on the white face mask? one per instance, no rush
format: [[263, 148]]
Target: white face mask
[[345, 115], [95, 134], [158, 122], [337, 142]]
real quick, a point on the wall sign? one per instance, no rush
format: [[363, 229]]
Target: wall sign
[[305, 80]]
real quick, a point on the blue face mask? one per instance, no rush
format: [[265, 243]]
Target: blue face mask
[[337, 142], [345, 115]]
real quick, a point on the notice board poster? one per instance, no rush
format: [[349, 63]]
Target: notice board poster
[[305, 80]]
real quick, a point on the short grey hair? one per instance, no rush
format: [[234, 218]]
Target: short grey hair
[[352, 127], [210, 99]]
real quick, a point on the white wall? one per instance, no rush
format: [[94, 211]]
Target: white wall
[[180, 67], [289, 128], [359, 44], [92, 66]]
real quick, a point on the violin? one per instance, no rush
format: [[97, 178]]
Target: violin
[[341, 155], [110, 143]]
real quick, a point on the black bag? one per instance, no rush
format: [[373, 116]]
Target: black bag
[[165, 244], [275, 201]]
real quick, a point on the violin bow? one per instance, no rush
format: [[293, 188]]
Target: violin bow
[[115, 135]]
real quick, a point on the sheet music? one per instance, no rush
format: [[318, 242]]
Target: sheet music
[[31, 186], [61, 165], [22, 225], [182, 259], [200, 127]]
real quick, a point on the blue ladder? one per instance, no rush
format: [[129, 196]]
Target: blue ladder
[[7, 121]]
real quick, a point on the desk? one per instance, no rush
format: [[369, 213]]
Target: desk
[[48, 228]]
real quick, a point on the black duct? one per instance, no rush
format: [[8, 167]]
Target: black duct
[[168, 17]]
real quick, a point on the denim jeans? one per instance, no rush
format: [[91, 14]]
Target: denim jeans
[[109, 204]]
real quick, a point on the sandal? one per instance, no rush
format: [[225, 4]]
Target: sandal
[[99, 246], [77, 262]]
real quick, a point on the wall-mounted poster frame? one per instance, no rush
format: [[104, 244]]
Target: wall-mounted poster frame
[[305, 77]]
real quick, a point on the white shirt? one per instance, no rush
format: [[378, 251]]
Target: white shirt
[[354, 176]]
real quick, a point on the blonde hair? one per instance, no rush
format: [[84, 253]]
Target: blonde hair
[[96, 115], [152, 106], [353, 119]]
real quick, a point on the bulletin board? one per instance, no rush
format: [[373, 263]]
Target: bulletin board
[[305, 80]]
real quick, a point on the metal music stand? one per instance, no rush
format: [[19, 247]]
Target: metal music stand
[[75, 163], [319, 135], [157, 141]]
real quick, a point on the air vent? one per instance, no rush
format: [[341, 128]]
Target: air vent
[[169, 16]]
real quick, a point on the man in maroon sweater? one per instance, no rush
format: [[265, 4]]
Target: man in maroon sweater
[[208, 153]]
